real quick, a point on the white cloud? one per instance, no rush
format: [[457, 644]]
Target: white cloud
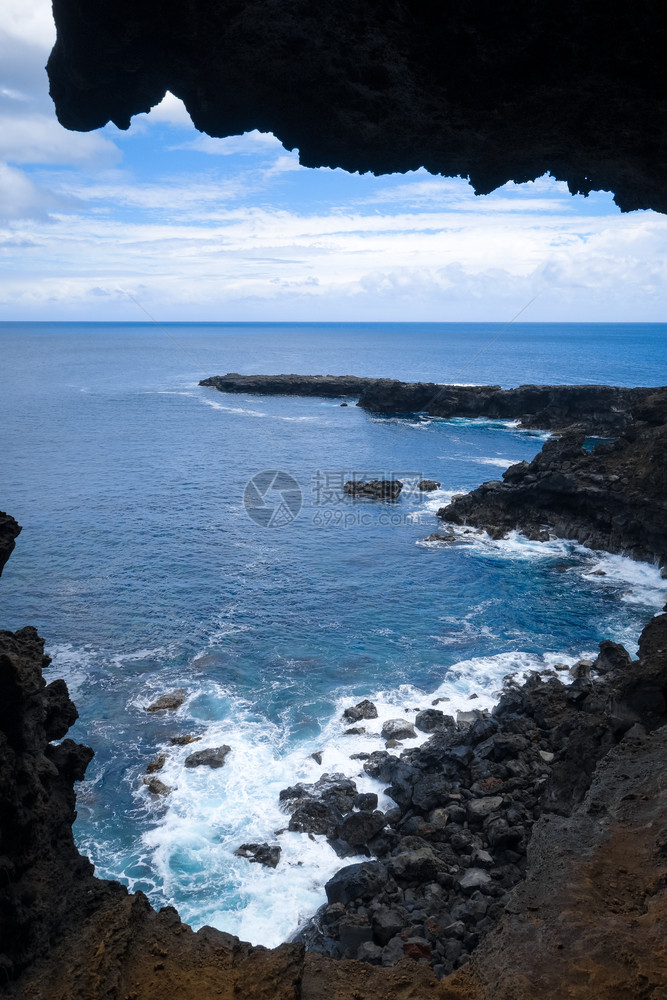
[[206, 246], [259, 263], [248, 144], [29, 21], [170, 110], [285, 164], [41, 139], [456, 194], [21, 198]]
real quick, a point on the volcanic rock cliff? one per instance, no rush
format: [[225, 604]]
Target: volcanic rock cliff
[[494, 92], [613, 497], [586, 922]]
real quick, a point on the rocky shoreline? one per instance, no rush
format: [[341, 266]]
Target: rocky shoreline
[[447, 855], [594, 409], [525, 855], [613, 497]]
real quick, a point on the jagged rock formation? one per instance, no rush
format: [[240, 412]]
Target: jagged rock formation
[[596, 409], [587, 921], [492, 92], [447, 856], [9, 532], [612, 498]]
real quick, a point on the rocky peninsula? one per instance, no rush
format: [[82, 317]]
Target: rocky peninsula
[[594, 409], [525, 855]]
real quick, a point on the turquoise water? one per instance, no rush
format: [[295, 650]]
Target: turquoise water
[[140, 565]]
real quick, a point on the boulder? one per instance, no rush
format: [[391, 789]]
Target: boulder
[[157, 787], [363, 710], [365, 800], [612, 656], [369, 952], [263, 854], [432, 720], [481, 808], [374, 489], [430, 791], [157, 764], [317, 817], [474, 878], [417, 948], [388, 921], [354, 931], [415, 866], [362, 881], [211, 757], [398, 729], [168, 702], [428, 485], [360, 827]]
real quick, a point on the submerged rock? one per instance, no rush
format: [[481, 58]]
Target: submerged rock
[[263, 854], [157, 787], [168, 702], [157, 764]]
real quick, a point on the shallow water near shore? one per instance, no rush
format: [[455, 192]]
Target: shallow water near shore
[[140, 565]]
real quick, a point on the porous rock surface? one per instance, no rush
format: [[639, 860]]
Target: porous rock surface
[[495, 92]]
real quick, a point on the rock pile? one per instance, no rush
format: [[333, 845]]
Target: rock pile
[[444, 859]]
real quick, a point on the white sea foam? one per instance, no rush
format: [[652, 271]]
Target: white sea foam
[[245, 411], [232, 409], [167, 392], [210, 813], [641, 581], [500, 463], [71, 664], [436, 499]]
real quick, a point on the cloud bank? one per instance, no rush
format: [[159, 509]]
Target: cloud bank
[[234, 229]]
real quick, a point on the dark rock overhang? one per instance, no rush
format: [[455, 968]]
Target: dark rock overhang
[[493, 91]]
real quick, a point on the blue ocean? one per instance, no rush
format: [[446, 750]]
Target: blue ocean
[[141, 567]]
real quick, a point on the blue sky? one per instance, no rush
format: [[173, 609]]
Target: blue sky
[[196, 228]]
